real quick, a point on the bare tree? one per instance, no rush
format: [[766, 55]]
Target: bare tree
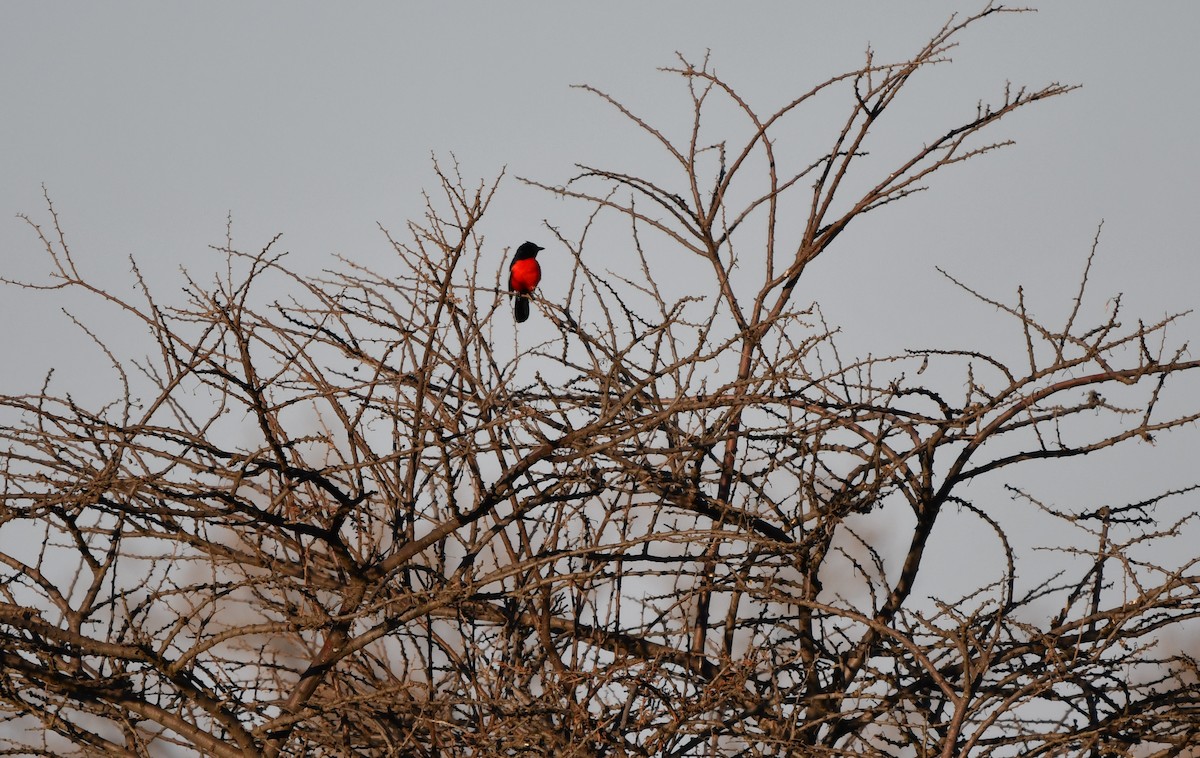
[[351, 521]]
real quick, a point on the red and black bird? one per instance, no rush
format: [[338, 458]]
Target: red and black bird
[[524, 273]]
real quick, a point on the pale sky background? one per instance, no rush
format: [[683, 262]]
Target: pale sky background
[[149, 122]]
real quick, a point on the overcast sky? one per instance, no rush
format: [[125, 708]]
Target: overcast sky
[[150, 122]]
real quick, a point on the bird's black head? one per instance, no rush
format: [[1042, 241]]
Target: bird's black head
[[527, 250]]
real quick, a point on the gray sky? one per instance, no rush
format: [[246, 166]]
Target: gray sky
[[150, 121]]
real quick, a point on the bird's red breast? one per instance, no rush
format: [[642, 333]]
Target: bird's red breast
[[524, 275]]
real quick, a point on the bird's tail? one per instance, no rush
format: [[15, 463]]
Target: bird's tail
[[521, 308]]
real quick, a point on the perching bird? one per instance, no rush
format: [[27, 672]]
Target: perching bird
[[524, 273]]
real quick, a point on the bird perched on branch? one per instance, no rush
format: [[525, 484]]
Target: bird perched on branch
[[524, 273]]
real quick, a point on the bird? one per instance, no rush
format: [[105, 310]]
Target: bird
[[524, 273]]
